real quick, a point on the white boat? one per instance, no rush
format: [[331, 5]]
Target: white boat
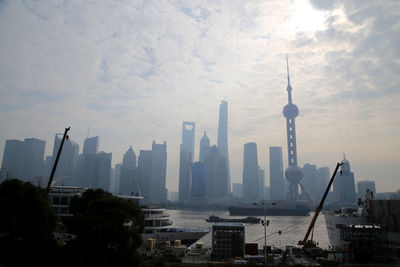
[[336, 219], [158, 226]]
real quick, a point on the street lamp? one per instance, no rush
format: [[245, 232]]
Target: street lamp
[[265, 223]]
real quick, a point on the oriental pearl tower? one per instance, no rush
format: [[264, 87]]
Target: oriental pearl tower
[[293, 173]]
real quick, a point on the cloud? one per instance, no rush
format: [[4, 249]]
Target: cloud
[[134, 70]]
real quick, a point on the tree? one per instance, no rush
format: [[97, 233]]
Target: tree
[[26, 225], [108, 230]]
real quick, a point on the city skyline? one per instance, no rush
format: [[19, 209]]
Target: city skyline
[[132, 81]]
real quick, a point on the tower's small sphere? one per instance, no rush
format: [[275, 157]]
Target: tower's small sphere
[[290, 111]]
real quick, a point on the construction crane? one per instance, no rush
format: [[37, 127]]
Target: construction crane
[[65, 136], [310, 243]]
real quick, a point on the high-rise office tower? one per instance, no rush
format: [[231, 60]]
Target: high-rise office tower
[[129, 159], [12, 158], [117, 175], [188, 130], [159, 158], [310, 179], [216, 174], [363, 186], [237, 190], [293, 173], [251, 192], [33, 160], [323, 175], [222, 141], [261, 183], [276, 179], [103, 168], [204, 147], [198, 180], [152, 165], [129, 174], [186, 159], [343, 185], [68, 161], [91, 145]]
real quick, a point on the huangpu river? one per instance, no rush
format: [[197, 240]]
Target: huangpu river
[[292, 228]]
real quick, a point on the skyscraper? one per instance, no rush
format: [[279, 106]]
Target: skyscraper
[[216, 174], [12, 158], [186, 159], [159, 172], [198, 180], [261, 182], [310, 179], [68, 161], [33, 160], [129, 159], [343, 185], [188, 130], [91, 145], [323, 175], [293, 173], [251, 192], [276, 179], [152, 165], [103, 171], [129, 175], [222, 141], [204, 147], [363, 186], [237, 190], [117, 177]]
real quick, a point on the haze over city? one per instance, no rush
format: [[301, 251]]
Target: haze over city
[[132, 71]]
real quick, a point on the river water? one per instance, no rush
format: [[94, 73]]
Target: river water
[[293, 228]]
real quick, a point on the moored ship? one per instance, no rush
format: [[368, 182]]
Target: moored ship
[[284, 208], [249, 219], [370, 212], [158, 226]]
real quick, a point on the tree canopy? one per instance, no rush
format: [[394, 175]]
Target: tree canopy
[[27, 224], [108, 230]]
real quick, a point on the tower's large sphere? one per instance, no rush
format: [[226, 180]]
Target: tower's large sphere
[[294, 174], [290, 111]]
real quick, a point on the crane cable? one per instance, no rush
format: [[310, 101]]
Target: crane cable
[[284, 229]]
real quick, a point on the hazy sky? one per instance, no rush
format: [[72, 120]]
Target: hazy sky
[[132, 71]]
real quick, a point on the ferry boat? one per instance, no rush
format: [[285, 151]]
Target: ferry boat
[[158, 226]]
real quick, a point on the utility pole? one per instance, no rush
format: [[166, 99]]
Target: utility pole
[[57, 158]]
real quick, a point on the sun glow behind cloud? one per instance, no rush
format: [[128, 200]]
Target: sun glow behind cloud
[[304, 18]]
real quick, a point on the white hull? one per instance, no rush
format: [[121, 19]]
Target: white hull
[[187, 237], [333, 221]]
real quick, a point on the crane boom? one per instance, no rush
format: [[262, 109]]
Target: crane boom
[[319, 207]]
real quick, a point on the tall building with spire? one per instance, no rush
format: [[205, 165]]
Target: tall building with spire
[[344, 189], [129, 174], [293, 173], [204, 147], [222, 141]]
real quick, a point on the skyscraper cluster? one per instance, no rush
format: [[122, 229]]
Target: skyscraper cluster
[[91, 169], [209, 178]]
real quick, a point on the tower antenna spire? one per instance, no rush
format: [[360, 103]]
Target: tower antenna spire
[[287, 66]]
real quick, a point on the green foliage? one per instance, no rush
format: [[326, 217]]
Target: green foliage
[[26, 225], [108, 230]]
